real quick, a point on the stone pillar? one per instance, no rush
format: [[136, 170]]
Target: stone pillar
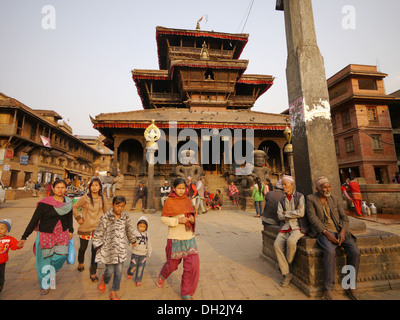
[[151, 149], [313, 144]]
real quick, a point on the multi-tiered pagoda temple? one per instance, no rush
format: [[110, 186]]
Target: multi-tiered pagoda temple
[[201, 84]]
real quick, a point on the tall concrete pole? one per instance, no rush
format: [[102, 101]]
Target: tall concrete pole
[[309, 109]]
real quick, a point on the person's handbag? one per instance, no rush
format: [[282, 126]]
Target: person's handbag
[[71, 252]]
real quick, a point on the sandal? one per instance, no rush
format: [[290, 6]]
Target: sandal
[[113, 296], [160, 282], [94, 278], [102, 285], [81, 268], [43, 292]]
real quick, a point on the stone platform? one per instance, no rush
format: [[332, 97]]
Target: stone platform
[[379, 266]]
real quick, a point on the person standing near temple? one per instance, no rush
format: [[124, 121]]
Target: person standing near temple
[[165, 190], [140, 193], [355, 193], [258, 196], [191, 192], [200, 186], [107, 184], [118, 182]]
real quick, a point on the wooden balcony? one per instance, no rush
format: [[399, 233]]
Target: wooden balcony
[[195, 52]]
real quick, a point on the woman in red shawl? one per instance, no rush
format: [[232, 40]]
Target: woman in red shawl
[[178, 214]]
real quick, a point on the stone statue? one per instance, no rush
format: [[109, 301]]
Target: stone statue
[[260, 168], [187, 168]]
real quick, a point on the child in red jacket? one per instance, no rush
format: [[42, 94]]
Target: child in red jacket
[[6, 243]]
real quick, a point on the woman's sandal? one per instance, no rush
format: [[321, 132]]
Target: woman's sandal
[[113, 296], [102, 285], [81, 268], [94, 278], [43, 292]]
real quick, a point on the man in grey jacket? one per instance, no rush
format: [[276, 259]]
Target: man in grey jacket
[[291, 210], [330, 225]]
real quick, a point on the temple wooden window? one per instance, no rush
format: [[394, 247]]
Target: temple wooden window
[[349, 144], [209, 75], [377, 142], [372, 115]]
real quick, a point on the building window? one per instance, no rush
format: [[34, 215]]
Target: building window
[[367, 84], [349, 144], [346, 118], [333, 118], [377, 142], [372, 115], [337, 147]]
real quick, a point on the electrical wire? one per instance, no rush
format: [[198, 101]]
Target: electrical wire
[[246, 16]]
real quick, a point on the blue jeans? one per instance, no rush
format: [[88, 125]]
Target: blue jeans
[[116, 270], [329, 254], [258, 205], [137, 263]]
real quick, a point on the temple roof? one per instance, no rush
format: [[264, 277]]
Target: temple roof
[[237, 42], [233, 119]]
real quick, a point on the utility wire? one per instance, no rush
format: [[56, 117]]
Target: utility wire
[[246, 15]]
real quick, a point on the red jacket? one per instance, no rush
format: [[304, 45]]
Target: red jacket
[[7, 243], [191, 190]]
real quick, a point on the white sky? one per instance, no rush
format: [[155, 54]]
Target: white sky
[[82, 67]]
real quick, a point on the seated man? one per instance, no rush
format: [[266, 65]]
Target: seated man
[[291, 210], [330, 225]]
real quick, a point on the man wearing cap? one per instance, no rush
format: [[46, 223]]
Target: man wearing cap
[[330, 225], [165, 191], [291, 210]]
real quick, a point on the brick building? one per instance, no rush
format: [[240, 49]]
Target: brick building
[[361, 124], [394, 109], [38, 145]]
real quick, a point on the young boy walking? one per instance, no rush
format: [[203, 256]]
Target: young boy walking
[[141, 250]]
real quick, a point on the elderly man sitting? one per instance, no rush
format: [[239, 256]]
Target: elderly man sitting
[[330, 225], [291, 210]]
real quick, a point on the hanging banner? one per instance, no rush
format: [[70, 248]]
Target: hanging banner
[[46, 141], [9, 154], [24, 159]]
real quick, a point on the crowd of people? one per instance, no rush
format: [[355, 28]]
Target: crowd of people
[[109, 227]]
